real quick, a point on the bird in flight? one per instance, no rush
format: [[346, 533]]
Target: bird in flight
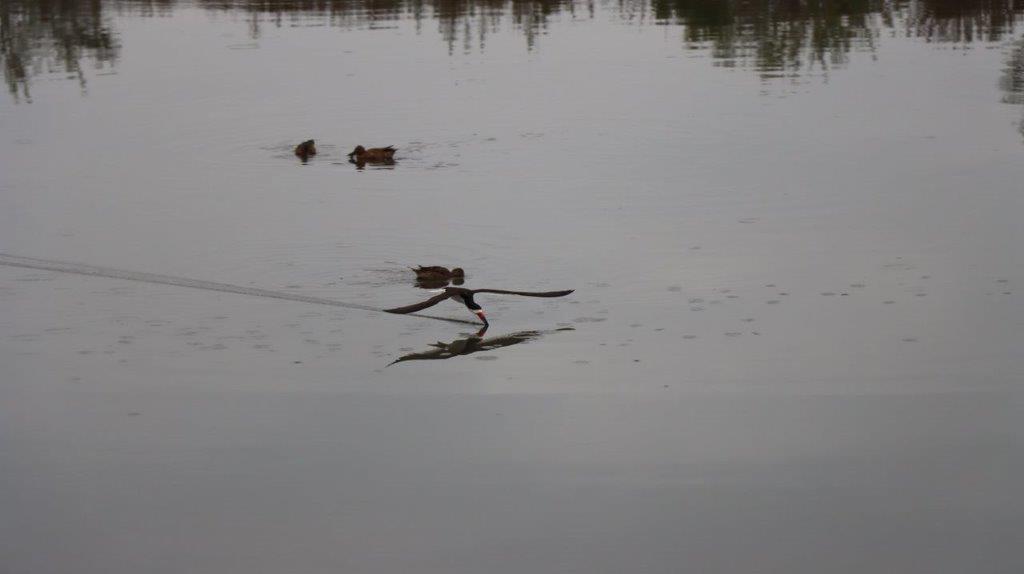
[[465, 296]]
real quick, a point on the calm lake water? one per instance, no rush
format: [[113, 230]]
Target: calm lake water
[[794, 230]]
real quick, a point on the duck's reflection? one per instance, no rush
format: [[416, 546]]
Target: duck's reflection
[[475, 343], [362, 163]]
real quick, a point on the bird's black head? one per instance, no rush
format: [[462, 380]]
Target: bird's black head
[[467, 298]]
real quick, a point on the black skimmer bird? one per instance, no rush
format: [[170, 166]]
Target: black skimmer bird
[[465, 296]]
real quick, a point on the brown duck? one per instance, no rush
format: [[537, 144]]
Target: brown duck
[[437, 273], [373, 155], [305, 149], [465, 296]]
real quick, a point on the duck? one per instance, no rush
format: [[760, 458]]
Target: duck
[[372, 155], [465, 296], [436, 272], [305, 149]]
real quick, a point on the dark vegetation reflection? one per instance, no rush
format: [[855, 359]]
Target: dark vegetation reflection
[[1012, 81], [53, 36], [773, 38]]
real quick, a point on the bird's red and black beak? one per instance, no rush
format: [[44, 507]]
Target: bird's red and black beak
[[480, 313]]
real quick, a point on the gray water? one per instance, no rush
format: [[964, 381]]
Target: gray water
[[794, 231]]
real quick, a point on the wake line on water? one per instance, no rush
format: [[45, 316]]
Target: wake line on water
[[110, 272]]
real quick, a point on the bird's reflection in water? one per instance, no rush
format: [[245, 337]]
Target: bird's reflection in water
[[475, 343], [383, 164]]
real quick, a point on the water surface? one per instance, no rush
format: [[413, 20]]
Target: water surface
[[794, 231]]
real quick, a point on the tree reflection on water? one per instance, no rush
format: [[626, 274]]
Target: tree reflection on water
[[1012, 80], [774, 38], [47, 36]]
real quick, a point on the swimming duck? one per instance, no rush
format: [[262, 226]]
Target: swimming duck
[[305, 149], [465, 296], [435, 284], [372, 155], [436, 272]]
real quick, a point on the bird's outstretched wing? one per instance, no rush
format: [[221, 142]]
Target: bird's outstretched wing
[[526, 293], [419, 306]]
